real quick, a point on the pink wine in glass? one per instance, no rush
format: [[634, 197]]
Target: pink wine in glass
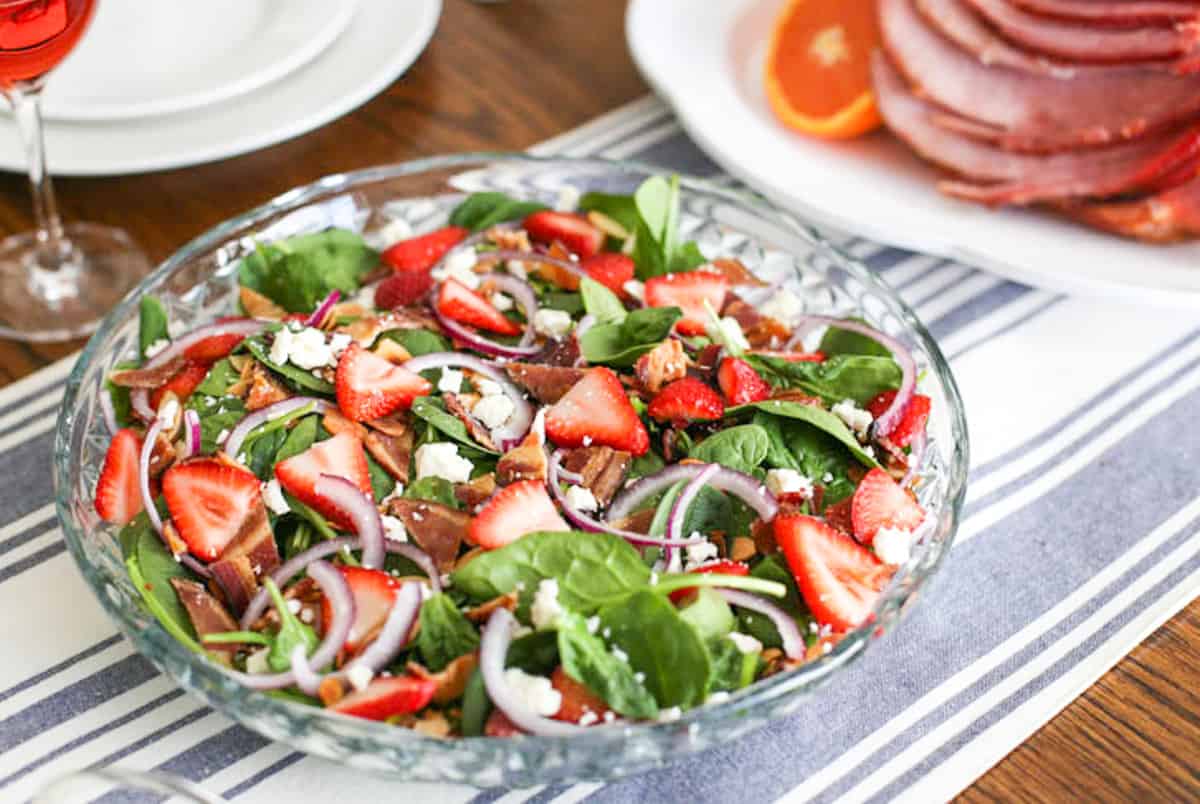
[[57, 281]]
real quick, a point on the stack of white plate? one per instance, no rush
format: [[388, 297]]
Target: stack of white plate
[[156, 85]]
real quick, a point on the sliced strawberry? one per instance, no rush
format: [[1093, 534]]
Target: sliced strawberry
[[520, 508], [879, 502], [374, 593], [839, 579], [688, 291], [118, 495], [423, 252], [387, 696], [597, 412], [402, 289], [572, 230], [686, 400], [214, 347], [724, 567], [457, 301], [341, 456], [792, 357], [181, 384], [610, 269], [209, 500], [911, 423], [369, 387], [740, 382], [577, 699]]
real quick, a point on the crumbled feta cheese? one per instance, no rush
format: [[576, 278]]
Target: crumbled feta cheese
[[537, 692], [670, 714], [457, 265], [546, 609], [393, 528], [588, 718], [635, 288], [392, 232], [306, 616], [827, 478], [538, 428], [567, 199], [338, 342], [701, 553], [493, 411], [620, 655], [855, 417], [745, 643], [293, 606], [581, 498], [359, 676], [893, 546], [639, 677], [257, 664], [442, 460], [517, 269], [788, 481], [272, 495], [451, 381], [592, 623], [587, 440], [720, 696], [155, 348], [487, 387], [551, 323], [502, 302], [784, 306], [306, 348]]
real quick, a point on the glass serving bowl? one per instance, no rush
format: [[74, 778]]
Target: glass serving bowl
[[198, 283]]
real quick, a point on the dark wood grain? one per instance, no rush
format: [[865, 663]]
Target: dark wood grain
[[505, 77]]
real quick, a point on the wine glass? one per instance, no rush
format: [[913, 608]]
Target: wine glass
[[58, 281]]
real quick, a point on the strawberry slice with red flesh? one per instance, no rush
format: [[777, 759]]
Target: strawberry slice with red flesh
[[387, 696], [596, 411], [458, 302], [402, 289], [341, 456], [577, 699], [912, 422], [214, 347], [838, 578], [572, 230], [610, 269], [740, 382], [209, 500], [369, 387], [118, 495], [688, 291], [181, 384], [879, 502], [421, 253], [686, 400], [724, 567], [519, 508], [374, 593]]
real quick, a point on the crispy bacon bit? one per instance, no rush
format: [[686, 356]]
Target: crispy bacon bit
[[764, 538], [734, 271], [484, 610], [762, 332], [796, 395], [547, 384], [234, 577], [637, 522], [663, 364], [456, 405], [250, 555], [602, 469], [148, 378], [437, 529], [562, 353], [393, 453], [336, 424], [742, 549], [452, 680], [526, 461], [162, 456], [511, 239], [477, 491], [263, 389], [206, 613], [257, 305]]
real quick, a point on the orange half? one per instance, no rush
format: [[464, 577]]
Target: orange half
[[818, 71]]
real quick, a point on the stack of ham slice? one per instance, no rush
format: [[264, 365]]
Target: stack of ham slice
[[1091, 107]]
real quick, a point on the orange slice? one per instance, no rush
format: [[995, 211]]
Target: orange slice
[[818, 77]]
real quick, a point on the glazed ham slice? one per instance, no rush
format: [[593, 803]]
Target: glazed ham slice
[[997, 176], [1114, 12], [1022, 111], [1166, 217]]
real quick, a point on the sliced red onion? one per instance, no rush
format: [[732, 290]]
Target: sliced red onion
[[531, 256], [471, 241], [233, 443], [679, 510], [195, 565], [360, 508], [479, 343], [191, 432], [294, 566], [749, 490], [789, 632], [156, 425], [514, 430], [318, 315], [915, 453], [107, 410], [885, 422], [139, 401], [585, 323], [493, 651], [522, 292]]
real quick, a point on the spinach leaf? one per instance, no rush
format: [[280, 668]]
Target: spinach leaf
[[291, 634], [657, 250], [711, 510], [445, 634], [857, 377], [621, 208], [122, 407], [743, 448], [844, 342], [433, 410], [647, 464], [587, 659], [151, 568], [731, 669], [622, 344], [480, 210], [601, 303], [220, 377], [302, 436], [418, 341], [152, 323], [687, 257], [569, 302], [779, 454], [661, 645], [218, 414], [319, 523], [293, 375], [433, 489], [823, 459], [650, 324], [476, 706], [592, 569], [381, 482], [260, 454], [300, 271], [535, 653], [818, 418]]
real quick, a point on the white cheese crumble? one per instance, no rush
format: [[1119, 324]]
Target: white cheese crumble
[[788, 481], [393, 528], [538, 428], [745, 643], [635, 288], [502, 302], [392, 233], [669, 715], [442, 460], [457, 265], [720, 696], [855, 417], [487, 387], [155, 348], [535, 691], [567, 199], [620, 655], [493, 411], [593, 623], [784, 306], [893, 546], [338, 342], [293, 606], [450, 382], [546, 609], [307, 348], [581, 498], [701, 553], [588, 718], [551, 323], [359, 676], [272, 495]]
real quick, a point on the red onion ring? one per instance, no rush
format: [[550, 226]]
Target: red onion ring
[[506, 436], [789, 632], [341, 603], [533, 256], [295, 565], [523, 294], [585, 323], [885, 422], [474, 340], [233, 443], [680, 507], [360, 508], [749, 490], [191, 432], [493, 651], [108, 411], [318, 315], [473, 240], [148, 440]]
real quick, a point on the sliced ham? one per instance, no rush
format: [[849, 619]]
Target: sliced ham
[[1166, 217], [997, 176], [1030, 112], [1114, 12], [1085, 42]]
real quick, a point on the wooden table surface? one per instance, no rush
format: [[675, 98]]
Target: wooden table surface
[[504, 77]]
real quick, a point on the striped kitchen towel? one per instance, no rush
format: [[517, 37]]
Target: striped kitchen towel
[[1081, 535]]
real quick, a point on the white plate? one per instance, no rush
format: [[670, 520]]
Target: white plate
[[382, 39], [706, 60], [142, 59]]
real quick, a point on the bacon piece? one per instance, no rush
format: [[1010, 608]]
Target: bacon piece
[[263, 388], [149, 378], [395, 424], [336, 423], [526, 461], [392, 452], [206, 613], [559, 353], [437, 529], [477, 491], [761, 331], [602, 470], [1166, 217], [250, 555], [547, 384], [481, 612], [455, 405], [663, 364]]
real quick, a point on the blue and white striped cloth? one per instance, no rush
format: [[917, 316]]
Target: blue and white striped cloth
[[1081, 536]]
